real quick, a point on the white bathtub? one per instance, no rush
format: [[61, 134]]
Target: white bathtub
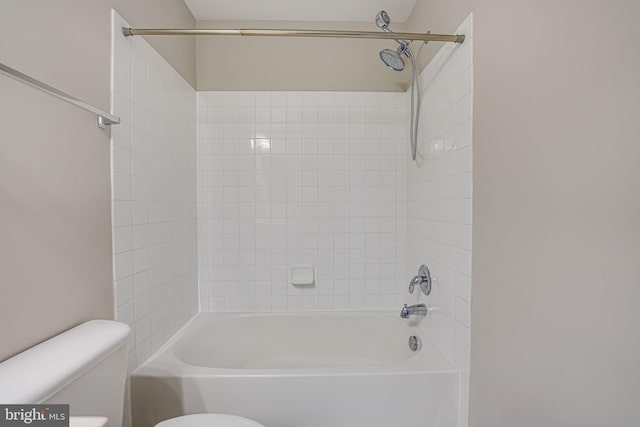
[[331, 369]]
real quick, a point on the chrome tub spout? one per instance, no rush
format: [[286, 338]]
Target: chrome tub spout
[[413, 310]]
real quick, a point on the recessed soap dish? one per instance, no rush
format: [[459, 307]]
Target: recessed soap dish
[[301, 275]]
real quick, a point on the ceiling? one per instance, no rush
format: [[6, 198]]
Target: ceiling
[[299, 10]]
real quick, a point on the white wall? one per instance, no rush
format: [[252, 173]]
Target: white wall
[[54, 161], [556, 207], [439, 201], [296, 63], [555, 210], [301, 177], [154, 195]]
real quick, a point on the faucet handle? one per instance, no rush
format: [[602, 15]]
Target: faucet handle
[[415, 281], [423, 279]]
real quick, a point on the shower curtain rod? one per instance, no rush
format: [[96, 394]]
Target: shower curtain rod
[[455, 38]]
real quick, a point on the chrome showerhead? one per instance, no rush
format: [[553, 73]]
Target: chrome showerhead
[[392, 58], [383, 20]]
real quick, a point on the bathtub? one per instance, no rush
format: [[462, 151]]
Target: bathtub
[[320, 369]]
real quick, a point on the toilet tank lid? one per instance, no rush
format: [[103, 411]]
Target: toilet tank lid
[[37, 373]]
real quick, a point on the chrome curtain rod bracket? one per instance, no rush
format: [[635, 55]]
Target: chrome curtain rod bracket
[[103, 119], [454, 38]]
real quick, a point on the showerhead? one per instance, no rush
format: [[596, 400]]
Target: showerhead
[[383, 20], [392, 59]]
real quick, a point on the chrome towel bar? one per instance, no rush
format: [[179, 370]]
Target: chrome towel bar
[[103, 120]]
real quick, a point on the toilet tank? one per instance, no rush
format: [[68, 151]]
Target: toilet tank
[[85, 367]]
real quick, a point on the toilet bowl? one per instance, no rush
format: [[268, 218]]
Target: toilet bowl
[[209, 420]]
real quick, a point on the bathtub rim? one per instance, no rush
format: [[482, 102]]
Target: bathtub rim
[[165, 363]]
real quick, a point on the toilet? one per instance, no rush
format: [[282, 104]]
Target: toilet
[[209, 420], [86, 367]]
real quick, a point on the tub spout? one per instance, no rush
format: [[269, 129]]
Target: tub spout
[[413, 310]]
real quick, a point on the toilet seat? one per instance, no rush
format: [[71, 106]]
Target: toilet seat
[[209, 420]]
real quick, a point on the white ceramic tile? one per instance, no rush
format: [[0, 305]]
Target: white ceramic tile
[[439, 200], [309, 208], [154, 195], [288, 178], [124, 290]]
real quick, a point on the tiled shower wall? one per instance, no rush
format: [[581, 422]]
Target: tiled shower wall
[[440, 201], [288, 178], [154, 195]]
